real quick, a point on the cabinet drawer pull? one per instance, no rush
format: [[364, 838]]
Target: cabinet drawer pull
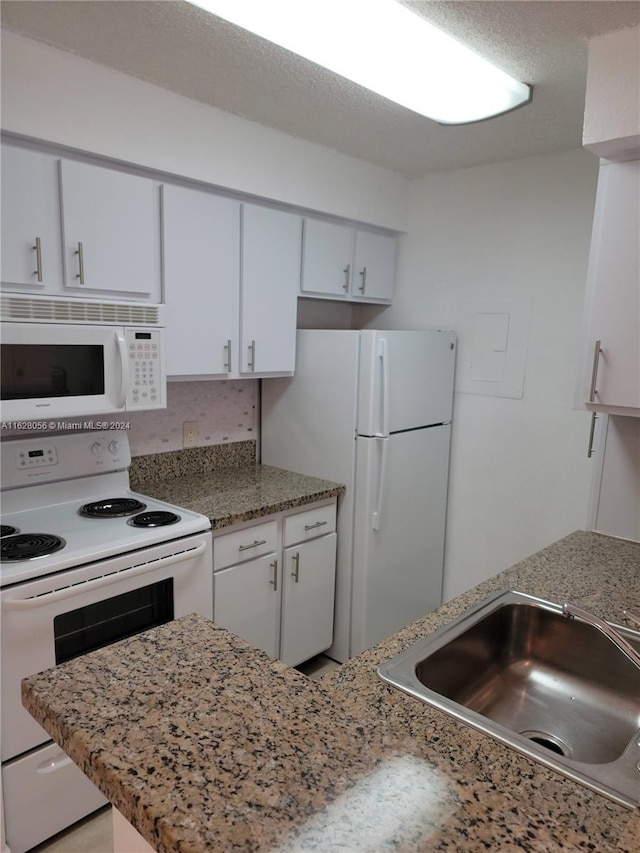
[[594, 371], [38, 250], [315, 524], [227, 364], [363, 275], [274, 580], [253, 545], [80, 254], [295, 574], [347, 274]]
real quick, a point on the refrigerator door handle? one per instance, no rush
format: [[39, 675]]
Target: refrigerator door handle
[[383, 355], [377, 513]]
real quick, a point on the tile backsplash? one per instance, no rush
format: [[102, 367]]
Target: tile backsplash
[[225, 411]]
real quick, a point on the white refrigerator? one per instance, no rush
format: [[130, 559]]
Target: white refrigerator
[[372, 409]]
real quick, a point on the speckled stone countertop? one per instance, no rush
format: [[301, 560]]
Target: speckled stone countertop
[[205, 744], [235, 494]]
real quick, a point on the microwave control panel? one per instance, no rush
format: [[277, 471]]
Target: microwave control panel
[[146, 370]]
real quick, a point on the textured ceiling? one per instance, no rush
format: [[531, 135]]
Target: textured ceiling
[[182, 48]]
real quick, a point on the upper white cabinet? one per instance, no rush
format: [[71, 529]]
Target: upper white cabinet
[[110, 225], [31, 243], [270, 272], [231, 275], [346, 263], [201, 257], [610, 365]]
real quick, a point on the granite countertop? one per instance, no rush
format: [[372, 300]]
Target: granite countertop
[[234, 494], [205, 744]]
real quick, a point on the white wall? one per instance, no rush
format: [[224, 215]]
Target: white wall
[[52, 95], [520, 477]]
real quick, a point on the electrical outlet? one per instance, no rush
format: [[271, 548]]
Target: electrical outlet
[[190, 434]]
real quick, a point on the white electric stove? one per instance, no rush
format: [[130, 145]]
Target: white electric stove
[[85, 562]]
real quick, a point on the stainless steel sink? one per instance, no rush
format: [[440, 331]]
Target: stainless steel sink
[[553, 688]]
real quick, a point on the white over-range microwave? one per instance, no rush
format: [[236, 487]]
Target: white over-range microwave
[[64, 358]]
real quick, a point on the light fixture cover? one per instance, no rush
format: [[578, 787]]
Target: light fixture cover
[[386, 48]]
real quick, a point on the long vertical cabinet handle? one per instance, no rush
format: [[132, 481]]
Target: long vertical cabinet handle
[[252, 356], [38, 250], [377, 514], [594, 371], [592, 431], [363, 276], [347, 276], [80, 254], [274, 580], [295, 574], [227, 364]]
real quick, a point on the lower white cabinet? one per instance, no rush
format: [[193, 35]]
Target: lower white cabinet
[[274, 581]]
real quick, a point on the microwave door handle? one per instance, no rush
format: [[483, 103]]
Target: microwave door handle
[[97, 583], [124, 370]]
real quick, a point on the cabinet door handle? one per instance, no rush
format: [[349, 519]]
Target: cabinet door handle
[[363, 283], [274, 580], [594, 371], [295, 574], [315, 524], [252, 356], [80, 254], [594, 418], [253, 545], [227, 363], [347, 274], [38, 250]]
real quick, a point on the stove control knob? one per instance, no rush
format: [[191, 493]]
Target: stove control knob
[[96, 448], [114, 447]]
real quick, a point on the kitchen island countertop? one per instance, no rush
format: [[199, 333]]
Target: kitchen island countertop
[[205, 744]]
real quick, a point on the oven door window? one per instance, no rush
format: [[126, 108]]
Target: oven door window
[[96, 625], [32, 371]]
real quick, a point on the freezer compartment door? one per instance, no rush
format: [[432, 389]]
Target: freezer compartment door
[[401, 496], [406, 380]]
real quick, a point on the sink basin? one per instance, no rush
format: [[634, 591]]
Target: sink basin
[[553, 688]]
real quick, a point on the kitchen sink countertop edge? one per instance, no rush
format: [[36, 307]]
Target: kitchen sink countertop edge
[[204, 743], [233, 495]]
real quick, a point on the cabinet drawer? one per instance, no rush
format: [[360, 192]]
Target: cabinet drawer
[[309, 524], [231, 548]]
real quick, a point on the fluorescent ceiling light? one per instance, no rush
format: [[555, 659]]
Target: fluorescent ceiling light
[[385, 47]]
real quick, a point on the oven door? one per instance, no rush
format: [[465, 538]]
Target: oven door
[[58, 371], [53, 619]]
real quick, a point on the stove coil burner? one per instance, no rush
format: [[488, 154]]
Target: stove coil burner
[[8, 530], [157, 518], [112, 508], [28, 546]]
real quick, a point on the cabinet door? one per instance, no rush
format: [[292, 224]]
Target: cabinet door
[[270, 274], [200, 241], [327, 253], [111, 229], [246, 601], [611, 370], [309, 573], [31, 239], [374, 267]]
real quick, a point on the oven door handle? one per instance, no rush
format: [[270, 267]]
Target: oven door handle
[[97, 583]]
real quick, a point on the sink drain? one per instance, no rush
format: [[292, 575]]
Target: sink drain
[[554, 744]]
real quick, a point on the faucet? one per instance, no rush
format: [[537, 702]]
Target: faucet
[[573, 612]]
